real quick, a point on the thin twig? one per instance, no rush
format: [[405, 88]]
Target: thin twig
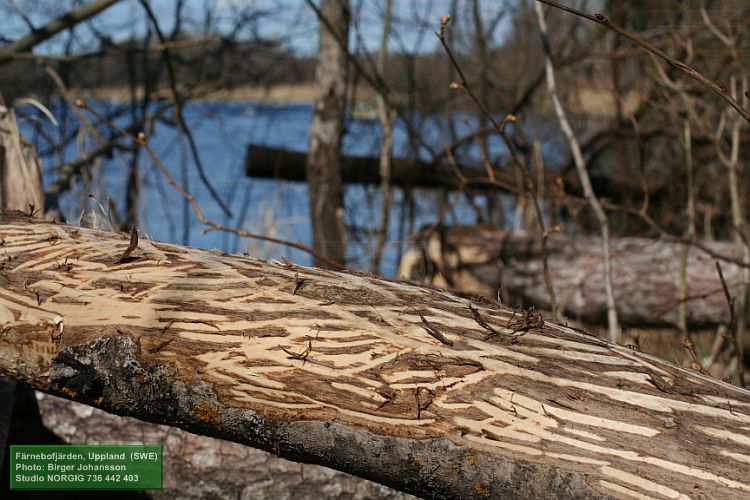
[[732, 326], [182, 125], [385, 115], [732, 164], [696, 365]]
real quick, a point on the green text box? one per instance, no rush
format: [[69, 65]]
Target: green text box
[[86, 467]]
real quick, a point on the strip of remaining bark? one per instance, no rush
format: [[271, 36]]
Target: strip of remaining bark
[[195, 467], [201, 340], [482, 261]]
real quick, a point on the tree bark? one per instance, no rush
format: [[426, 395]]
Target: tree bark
[[413, 388], [326, 192], [195, 467], [482, 261]]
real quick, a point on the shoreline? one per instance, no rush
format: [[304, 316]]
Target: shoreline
[[302, 93], [590, 101]]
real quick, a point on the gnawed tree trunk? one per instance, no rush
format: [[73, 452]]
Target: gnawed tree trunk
[[487, 261], [323, 167], [410, 387]]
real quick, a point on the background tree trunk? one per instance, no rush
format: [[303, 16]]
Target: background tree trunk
[[324, 153], [386, 116], [413, 388], [20, 168]]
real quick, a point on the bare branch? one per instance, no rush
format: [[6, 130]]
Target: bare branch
[[52, 28]]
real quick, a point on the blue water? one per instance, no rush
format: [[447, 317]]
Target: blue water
[[273, 208]]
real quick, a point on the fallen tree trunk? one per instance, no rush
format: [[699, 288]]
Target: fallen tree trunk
[[487, 261], [409, 387]]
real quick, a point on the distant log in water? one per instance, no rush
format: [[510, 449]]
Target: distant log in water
[[275, 163], [485, 261]]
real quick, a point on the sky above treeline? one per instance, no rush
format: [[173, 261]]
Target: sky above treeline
[[291, 21]]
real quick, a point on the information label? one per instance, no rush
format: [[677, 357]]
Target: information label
[[86, 467]]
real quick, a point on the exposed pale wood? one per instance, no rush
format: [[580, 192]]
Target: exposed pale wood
[[347, 371]]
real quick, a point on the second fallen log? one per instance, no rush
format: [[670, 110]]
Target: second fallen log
[[482, 261]]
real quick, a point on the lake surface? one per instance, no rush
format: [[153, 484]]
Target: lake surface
[[222, 131]]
